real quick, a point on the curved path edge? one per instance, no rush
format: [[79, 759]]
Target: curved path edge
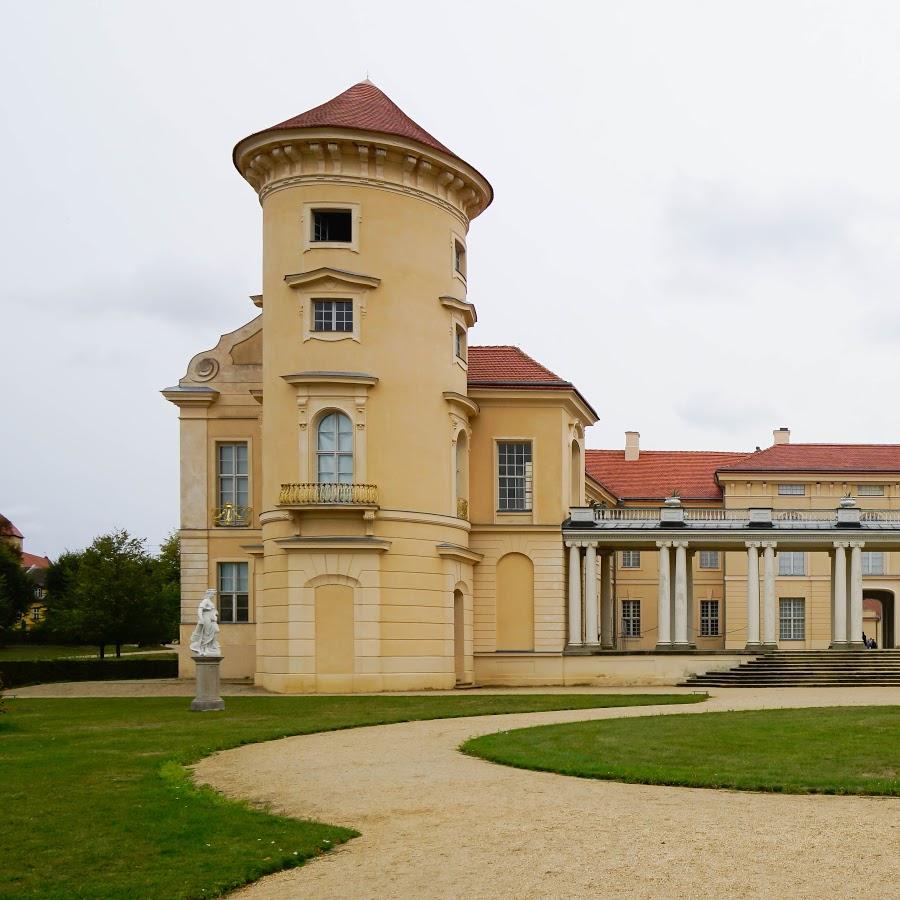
[[438, 823]]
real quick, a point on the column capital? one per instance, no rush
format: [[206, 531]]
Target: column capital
[[841, 545], [857, 545], [769, 545], [663, 544], [752, 545], [680, 544]]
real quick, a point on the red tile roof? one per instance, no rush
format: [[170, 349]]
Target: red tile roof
[[7, 529], [509, 366], [364, 107], [820, 458], [39, 562], [656, 473]]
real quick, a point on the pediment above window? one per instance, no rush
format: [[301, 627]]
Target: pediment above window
[[326, 278]]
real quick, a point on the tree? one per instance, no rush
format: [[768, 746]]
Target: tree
[[15, 587], [168, 571]]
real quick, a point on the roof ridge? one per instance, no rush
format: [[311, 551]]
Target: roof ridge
[[684, 452]]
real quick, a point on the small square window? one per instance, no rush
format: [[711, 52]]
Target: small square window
[[631, 559], [333, 226], [709, 559], [333, 315], [792, 490], [873, 562], [792, 563]]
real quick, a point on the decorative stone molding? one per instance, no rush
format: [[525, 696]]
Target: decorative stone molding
[[273, 161]]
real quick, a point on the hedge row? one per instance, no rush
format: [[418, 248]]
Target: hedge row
[[19, 672]]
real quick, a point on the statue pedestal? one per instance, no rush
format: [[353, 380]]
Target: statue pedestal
[[207, 699]]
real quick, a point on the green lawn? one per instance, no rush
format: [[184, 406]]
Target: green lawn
[[842, 750], [60, 651], [96, 801]]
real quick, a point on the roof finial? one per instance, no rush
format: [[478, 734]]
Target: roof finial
[[366, 80]]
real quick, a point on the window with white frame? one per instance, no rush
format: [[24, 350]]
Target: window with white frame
[[792, 563], [514, 476], [334, 449], [870, 490], [792, 619], [709, 618], [792, 490], [631, 559], [332, 315], [631, 618], [872, 562], [234, 592], [709, 559], [233, 489], [37, 613], [332, 226]]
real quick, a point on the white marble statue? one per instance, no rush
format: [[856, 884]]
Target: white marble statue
[[205, 639]]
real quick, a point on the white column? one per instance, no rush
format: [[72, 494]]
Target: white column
[[839, 596], [769, 594], [664, 617], [681, 604], [607, 600], [752, 595], [574, 595], [591, 621], [855, 625]]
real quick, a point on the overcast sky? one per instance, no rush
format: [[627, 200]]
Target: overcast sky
[[697, 214]]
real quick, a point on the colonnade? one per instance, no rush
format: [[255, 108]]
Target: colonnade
[[592, 624], [591, 614]]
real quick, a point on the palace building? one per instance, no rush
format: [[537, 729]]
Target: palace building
[[382, 506]]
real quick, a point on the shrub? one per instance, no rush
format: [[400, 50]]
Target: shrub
[[19, 672]]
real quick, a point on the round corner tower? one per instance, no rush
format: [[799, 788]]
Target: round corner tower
[[367, 576]]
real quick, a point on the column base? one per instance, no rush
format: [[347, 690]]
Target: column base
[[753, 646], [839, 645], [576, 650], [661, 648], [855, 645], [768, 648], [684, 646], [207, 705]]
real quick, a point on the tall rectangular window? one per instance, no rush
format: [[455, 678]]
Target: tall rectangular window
[[709, 559], [873, 562], [792, 563], [631, 618], [459, 258], [332, 226], [514, 474], [460, 347], [631, 559], [234, 593], [792, 490], [792, 619], [870, 490], [332, 315], [233, 488], [709, 618]]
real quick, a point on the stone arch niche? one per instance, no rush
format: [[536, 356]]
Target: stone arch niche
[[462, 474], [515, 602], [577, 474], [334, 616], [459, 635]]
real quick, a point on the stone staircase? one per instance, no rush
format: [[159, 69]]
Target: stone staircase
[[809, 668]]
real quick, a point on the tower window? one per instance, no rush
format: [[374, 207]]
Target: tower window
[[459, 257], [332, 315], [514, 460], [332, 226], [461, 343]]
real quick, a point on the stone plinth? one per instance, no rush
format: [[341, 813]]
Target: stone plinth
[[207, 699]]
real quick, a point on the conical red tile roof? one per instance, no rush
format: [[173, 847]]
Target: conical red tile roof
[[364, 107]]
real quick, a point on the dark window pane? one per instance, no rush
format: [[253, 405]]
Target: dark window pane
[[332, 225]]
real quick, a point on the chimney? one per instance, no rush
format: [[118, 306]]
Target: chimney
[[781, 436], [632, 445]]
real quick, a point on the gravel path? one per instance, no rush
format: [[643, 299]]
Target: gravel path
[[436, 823]]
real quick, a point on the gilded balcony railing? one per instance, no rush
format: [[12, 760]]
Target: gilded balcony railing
[[462, 508], [231, 516], [312, 493]]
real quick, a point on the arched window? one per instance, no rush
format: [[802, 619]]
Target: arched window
[[334, 449]]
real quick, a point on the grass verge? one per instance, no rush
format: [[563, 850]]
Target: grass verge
[[97, 801], [837, 750]]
